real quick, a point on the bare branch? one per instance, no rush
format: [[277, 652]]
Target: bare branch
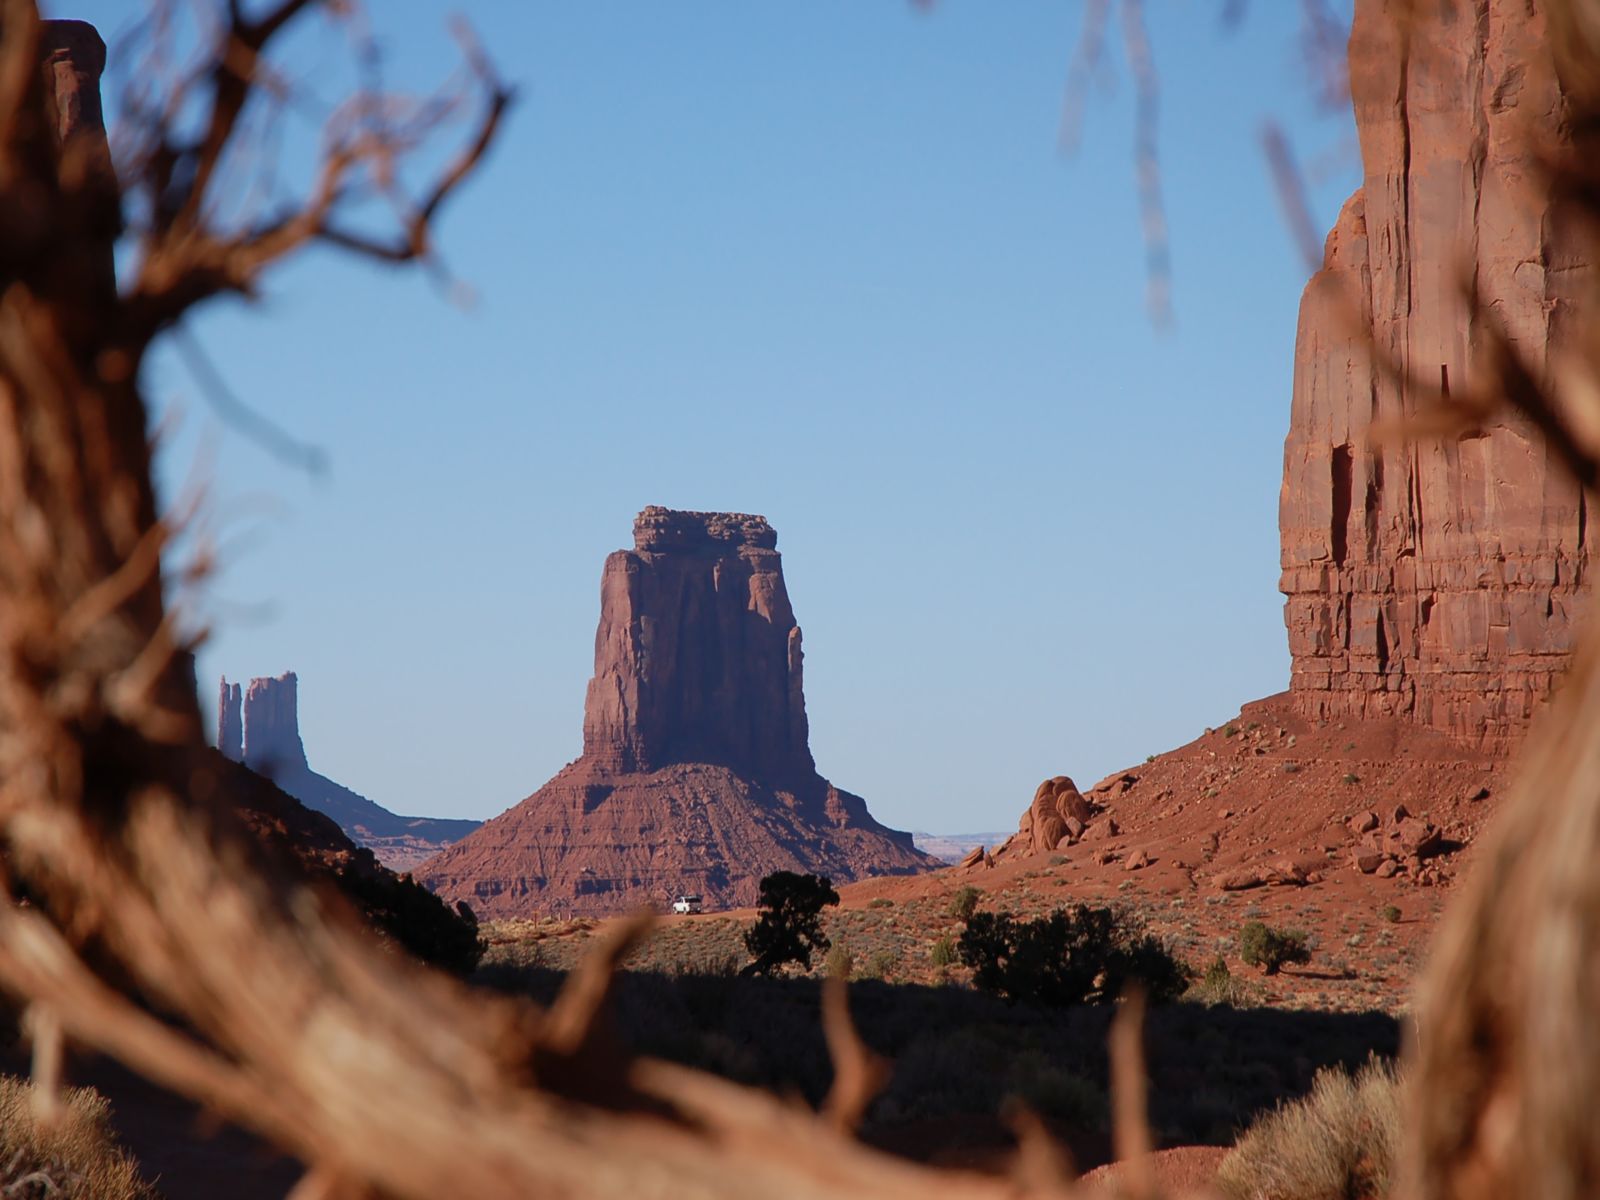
[[1130, 1115], [1087, 59], [312, 459], [1043, 1164], [1291, 190], [858, 1074], [1152, 211]]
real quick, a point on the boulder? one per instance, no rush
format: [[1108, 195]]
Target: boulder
[[1241, 879], [1368, 861], [1418, 839], [1102, 830]]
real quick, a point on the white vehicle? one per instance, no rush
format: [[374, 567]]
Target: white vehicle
[[685, 905]]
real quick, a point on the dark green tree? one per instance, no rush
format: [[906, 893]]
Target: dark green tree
[[790, 926], [1260, 945], [1080, 955]]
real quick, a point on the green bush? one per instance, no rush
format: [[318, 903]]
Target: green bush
[[1338, 1143], [965, 902], [1059, 1094], [880, 902], [881, 965], [1390, 913], [1081, 955], [789, 928], [838, 964], [943, 952], [1262, 946]]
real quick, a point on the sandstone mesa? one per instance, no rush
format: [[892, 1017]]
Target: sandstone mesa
[[696, 774]]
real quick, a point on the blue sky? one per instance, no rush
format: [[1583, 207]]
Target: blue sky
[[819, 261]]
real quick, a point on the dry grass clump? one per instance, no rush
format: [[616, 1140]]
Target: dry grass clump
[[74, 1158], [1338, 1143]]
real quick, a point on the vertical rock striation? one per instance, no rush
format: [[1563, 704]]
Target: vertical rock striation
[[230, 720], [697, 658], [1438, 580], [271, 725], [696, 774]]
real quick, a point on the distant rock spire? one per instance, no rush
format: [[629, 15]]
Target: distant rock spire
[[269, 739], [230, 720]]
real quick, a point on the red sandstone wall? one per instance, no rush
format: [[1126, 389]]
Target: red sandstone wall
[[1439, 580]]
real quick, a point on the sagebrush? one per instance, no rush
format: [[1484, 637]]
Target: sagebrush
[[1338, 1143], [75, 1158]]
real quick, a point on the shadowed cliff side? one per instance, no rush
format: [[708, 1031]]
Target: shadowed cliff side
[[259, 725]]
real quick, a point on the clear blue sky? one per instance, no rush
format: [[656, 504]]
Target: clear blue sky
[[819, 261]]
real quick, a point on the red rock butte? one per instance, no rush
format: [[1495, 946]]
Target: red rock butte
[[1441, 579], [696, 774], [1433, 585]]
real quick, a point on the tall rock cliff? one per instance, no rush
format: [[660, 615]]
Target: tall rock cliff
[[270, 725], [697, 658], [696, 774], [1438, 580], [259, 726]]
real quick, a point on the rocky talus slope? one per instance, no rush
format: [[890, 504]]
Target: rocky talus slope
[[696, 774]]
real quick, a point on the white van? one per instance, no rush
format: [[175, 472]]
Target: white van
[[686, 905]]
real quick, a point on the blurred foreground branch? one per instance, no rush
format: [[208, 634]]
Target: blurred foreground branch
[[267, 1001], [157, 932]]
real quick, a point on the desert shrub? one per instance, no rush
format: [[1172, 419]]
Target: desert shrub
[[1338, 1143], [1218, 986], [1081, 955], [965, 902], [1390, 913], [943, 952], [1352, 777], [880, 902], [839, 964], [1229, 731], [77, 1158], [1057, 860], [405, 911], [1260, 945], [789, 928], [1060, 1094], [881, 964]]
